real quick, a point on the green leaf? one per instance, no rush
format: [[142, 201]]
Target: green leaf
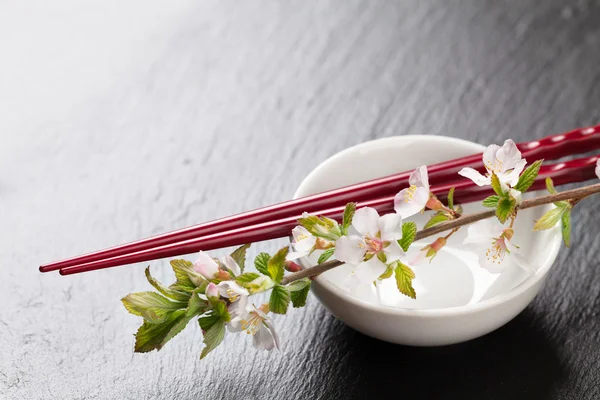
[[213, 338], [566, 227], [550, 186], [168, 292], [404, 277], [153, 307], [451, 199], [299, 296], [261, 261], [154, 336], [326, 255], [348, 215], [245, 278], [187, 278], [528, 176], [220, 309], [276, 265], [505, 208], [279, 300], [208, 320], [196, 306], [549, 219], [239, 255], [496, 185], [436, 219], [322, 227], [491, 202], [409, 232], [254, 282], [388, 272], [298, 285]]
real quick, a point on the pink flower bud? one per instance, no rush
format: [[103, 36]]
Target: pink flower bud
[[292, 266], [434, 204], [212, 290]]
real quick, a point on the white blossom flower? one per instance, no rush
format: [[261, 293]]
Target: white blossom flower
[[598, 168], [505, 162], [254, 321], [303, 243], [377, 239], [492, 242], [236, 295], [206, 266], [413, 199]]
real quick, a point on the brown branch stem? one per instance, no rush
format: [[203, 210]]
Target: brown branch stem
[[574, 194]]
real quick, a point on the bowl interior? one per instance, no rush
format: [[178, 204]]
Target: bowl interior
[[454, 278]]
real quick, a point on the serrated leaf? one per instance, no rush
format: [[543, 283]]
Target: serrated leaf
[[550, 186], [213, 338], [404, 277], [276, 264], [409, 232], [496, 185], [196, 306], [239, 255], [168, 292], [348, 215], [326, 255], [566, 227], [299, 296], [154, 336], [245, 278], [451, 199], [436, 219], [279, 300], [491, 201], [208, 320], [322, 227], [528, 176], [549, 219], [261, 261], [505, 208], [153, 307]]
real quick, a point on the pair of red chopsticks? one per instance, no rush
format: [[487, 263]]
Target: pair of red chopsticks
[[278, 220]]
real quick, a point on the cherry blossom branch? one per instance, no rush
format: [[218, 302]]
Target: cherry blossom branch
[[575, 195]]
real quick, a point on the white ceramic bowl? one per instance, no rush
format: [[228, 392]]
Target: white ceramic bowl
[[456, 299]]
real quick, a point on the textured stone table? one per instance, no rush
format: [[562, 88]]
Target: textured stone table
[[121, 120]]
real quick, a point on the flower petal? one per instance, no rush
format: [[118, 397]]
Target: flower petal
[[393, 252], [508, 156], [349, 249], [366, 221], [483, 231], [263, 339], [475, 176], [521, 260], [303, 240], [489, 156], [407, 204], [206, 266], [390, 226], [365, 273], [598, 168], [231, 264], [512, 177], [294, 255], [419, 178]]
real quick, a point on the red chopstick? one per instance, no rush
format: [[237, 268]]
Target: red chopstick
[[551, 147], [578, 170]]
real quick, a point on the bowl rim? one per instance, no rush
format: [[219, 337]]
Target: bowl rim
[[553, 245]]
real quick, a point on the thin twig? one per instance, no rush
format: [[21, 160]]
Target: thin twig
[[574, 194]]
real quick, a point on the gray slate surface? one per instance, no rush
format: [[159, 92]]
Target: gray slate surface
[[122, 120]]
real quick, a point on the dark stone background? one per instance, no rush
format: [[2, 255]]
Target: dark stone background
[[121, 120]]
